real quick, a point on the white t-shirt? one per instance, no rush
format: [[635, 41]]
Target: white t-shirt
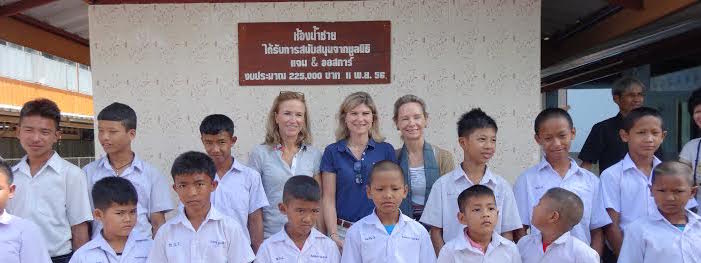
[[417, 175]]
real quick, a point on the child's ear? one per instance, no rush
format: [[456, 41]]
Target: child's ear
[[463, 142], [461, 217], [97, 214], [12, 191], [537, 138], [282, 207], [554, 216], [233, 140], [214, 184], [132, 133], [574, 133], [664, 134], [623, 134], [405, 191], [694, 190], [368, 191]]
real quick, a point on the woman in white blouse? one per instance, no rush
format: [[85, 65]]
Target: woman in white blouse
[[286, 152], [690, 151]]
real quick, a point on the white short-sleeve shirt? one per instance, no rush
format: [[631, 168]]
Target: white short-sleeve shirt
[[653, 239], [239, 193], [532, 184], [564, 249], [136, 250], [279, 248], [442, 205], [499, 250], [626, 190], [55, 199], [274, 173], [367, 241], [689, 154], [20, 241], [218, 239], [152, 187]]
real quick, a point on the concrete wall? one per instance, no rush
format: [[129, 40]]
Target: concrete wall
[[177, 63]]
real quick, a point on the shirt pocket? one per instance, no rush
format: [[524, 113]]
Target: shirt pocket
[[408, 247], [216, 251], [372, 248], [51, 199]]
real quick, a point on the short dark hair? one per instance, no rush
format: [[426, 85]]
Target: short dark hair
[[41, 107], [119, 112], [7, 171], [385, 166], [568, 204], [477, 190], [113, 190], [621, 85], [694, 100], [551, 113], [216, 123], [474, 119], [301, 187], [637, 114], [673, 168], [193, 162]]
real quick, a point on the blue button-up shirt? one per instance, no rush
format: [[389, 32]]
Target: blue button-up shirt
[[352, 202]]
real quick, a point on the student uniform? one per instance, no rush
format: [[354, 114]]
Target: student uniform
[[442, 205], [55, 199], [99, 251], [20, 241], [499, 250], [653, 239], [217, 240], [537, 180], [152, 187], [279, 248], [239, 193], [367, 241], [565, 248], [626, 190]]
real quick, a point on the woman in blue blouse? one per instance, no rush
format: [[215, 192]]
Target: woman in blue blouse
[[345, 164]]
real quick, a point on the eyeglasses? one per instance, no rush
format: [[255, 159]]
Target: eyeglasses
[[357, 166], [287, 92]]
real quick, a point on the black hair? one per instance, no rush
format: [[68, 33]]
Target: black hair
[[119, 112], [621, 85], [568, 204], [474, 119], [551, 113], [637, 114], [694, 100], [41, 107], [7, 171], [216, 123], [301, 187], [673, 168], [477, 190], [385, 166], [192, 163], [113, 190]]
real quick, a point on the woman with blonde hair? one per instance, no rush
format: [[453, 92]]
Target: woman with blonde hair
[[421, 162], [345, 164], [286, 152]]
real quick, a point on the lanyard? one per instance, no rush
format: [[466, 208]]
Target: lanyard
[[106, 257]]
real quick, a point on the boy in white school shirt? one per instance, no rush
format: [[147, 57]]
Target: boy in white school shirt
[[51, 192], [199, 232], [387, 235], [674, 233], [479, 242], [554, 132], [558, 211], [20, 240], [116, 129], [299, 241], [115, 200], [240, 195], [477, 137]]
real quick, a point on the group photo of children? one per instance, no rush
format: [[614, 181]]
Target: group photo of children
[[358, 200]]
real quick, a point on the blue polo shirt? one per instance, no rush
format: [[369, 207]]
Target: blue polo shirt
[[352, 202]]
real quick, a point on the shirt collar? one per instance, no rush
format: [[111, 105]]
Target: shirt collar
[[692, 218], [54, 162], [279, 147], [5, 217], [282, 236], [343, 144], [464, 244], [213, 214], [574, 168], [628, 163], [136, 163], [560, 240], [373, 219], [100, 242], [460, 173]]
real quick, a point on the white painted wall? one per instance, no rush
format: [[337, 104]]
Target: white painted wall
[[175, 64]]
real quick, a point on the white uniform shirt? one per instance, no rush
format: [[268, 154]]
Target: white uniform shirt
[[274, 173], [537, 180], [653, 239], [279, 248], [99, 251], [367, 241], [564, 249], [689, 154], [218, 240], [55, 199], [239, 194], [626, 190], [153, 189], [20, 241], [499, 250], [442, 205]]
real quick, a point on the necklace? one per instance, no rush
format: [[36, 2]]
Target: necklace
[[116, 169]]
